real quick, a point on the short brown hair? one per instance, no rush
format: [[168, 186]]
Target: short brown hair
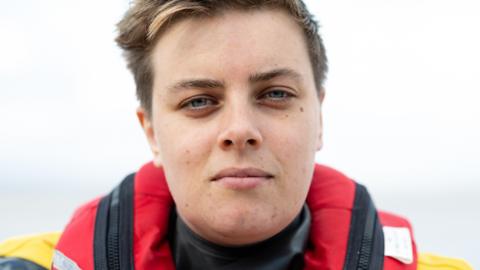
[[146, 19]]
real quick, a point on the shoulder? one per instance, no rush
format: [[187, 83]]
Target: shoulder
[[152, 202], [335, 191], [76, 242]]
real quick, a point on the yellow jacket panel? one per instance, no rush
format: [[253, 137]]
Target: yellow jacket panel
[[428, 261], [35, 248]]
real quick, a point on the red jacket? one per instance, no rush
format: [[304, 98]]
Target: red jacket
[[330, 201]]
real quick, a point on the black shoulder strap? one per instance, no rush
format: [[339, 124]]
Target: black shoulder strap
[[365, 249], [113, 237]]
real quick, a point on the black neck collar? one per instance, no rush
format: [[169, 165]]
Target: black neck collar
[[282, 251]]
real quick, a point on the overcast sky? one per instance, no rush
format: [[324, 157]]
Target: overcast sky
[[401, 106], [401, 113]]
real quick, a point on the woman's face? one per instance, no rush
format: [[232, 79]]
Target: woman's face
[[235, 122]]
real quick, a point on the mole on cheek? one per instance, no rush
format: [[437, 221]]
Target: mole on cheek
[[301, 109], [187, 161], [274, 214]]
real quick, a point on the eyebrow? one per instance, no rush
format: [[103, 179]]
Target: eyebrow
[[197, 83], [253, 78], [275, 73]]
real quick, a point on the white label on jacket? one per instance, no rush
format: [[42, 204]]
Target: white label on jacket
[[62, 262], [398, 244]]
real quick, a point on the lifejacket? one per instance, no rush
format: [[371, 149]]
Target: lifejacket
[[346, 230]]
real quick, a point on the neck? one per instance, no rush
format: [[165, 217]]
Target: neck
[[282, 251]]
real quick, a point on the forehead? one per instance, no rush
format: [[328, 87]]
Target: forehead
[[231, 44]]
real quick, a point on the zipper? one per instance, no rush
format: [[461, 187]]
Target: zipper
[[365, 250]]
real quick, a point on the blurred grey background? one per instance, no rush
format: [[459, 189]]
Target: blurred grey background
[[401, 114]]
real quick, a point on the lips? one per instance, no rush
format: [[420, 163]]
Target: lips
[[241, 173], [241, 179]]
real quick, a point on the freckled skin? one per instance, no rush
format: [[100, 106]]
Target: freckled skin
[[242, 126]]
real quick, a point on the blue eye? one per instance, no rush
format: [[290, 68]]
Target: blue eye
[[198, 103], [277, 94]]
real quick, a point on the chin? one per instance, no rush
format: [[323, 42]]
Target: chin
[[244, 224]]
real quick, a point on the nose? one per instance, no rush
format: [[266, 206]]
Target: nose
[[239, 130]]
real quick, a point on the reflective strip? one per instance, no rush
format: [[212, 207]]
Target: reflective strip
[[62, 262]]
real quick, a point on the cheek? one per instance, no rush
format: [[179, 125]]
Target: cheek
[[294, 145], [183, 144], [294, 140], [185, 151]]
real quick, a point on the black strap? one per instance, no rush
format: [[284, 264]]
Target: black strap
[[113, 237], [365, 242]]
